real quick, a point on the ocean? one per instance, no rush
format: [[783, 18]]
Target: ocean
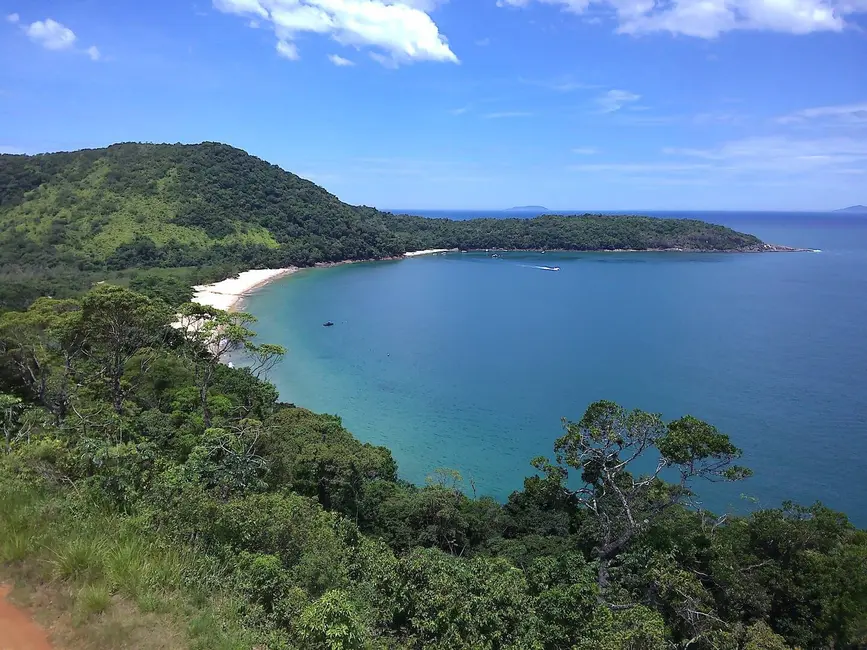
[[469, 362]]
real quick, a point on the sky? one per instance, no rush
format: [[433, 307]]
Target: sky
[[570, 104]]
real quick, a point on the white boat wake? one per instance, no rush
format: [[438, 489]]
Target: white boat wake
[[541, 268]]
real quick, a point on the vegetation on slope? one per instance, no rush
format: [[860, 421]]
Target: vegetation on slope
[[135, 469], [70, 219], [571, 233]]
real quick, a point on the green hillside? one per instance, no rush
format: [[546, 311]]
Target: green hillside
[[70, 219], [172, 205]]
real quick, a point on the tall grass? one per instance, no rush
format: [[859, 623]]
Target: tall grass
[[95, 557]]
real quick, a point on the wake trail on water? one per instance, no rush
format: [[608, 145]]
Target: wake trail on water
[[541, 268]]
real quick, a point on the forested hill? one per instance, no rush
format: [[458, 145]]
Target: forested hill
[[64, 216], [175, 205]]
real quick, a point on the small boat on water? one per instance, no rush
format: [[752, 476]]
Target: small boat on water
[[328, 324]]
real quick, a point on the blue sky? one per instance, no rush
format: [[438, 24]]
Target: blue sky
[[613, 104]]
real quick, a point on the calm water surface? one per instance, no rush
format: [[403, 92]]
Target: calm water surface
[[469, 362]]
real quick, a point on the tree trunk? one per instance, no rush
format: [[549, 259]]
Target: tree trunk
[[203, 395]]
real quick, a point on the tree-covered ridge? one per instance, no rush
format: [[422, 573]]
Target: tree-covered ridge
[[571, 233], [170, 205], [135, 463], [69, 219]]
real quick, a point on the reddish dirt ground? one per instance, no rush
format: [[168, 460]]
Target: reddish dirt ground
[[17, 629]]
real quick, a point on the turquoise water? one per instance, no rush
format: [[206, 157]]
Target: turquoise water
[[469, 362]]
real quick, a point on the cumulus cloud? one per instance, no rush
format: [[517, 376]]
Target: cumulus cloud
[[614, 100], [339, 61], [710, 18], [53, 35], [397, 32], [50, 34]]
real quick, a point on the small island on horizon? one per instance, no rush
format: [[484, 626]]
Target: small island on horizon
[[527, 208], [854, 209]]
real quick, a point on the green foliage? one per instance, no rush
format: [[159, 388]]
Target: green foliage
[[331, 623], [172, 290], [137, 466], [571, 233]]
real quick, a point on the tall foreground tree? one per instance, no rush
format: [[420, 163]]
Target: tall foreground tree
[[607, 444], [213, 337], [118, 325], [40, 345]]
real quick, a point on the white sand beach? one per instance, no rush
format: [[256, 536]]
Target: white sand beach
[[430, 251], [226, 294]]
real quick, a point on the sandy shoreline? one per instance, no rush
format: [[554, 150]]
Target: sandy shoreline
[[228, 293], [430, 251]]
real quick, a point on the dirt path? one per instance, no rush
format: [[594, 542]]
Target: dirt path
[[17, 630]]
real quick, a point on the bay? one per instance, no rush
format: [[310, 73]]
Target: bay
[[470, 362]]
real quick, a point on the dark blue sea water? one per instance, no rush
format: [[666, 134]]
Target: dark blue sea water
[[469, 362]]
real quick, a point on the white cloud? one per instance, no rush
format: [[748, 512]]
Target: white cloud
[[50, 34], [93, 53], [287, 50], [483, 42], [339, 61], [397, 31], [241, 7], [710, 18], [614, 100], [585, 151], [764, 161], [460, 110], [783, 154], [13, 18], [845, 114]]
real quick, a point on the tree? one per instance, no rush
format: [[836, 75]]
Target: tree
[[607, 443], [41, 344], [10, 405], [214, 336], [118, 325]]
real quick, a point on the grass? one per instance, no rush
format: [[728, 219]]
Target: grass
[[92, 599], [102, 582]]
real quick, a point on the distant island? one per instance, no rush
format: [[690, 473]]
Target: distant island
[[527, 208], [854, 209]]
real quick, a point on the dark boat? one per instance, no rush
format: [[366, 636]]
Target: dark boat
[[328, 324]]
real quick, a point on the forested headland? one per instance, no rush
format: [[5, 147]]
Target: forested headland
[[202, 212], [165, 499]]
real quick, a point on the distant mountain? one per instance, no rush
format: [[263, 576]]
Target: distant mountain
[[528, 208], [854, 209]]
